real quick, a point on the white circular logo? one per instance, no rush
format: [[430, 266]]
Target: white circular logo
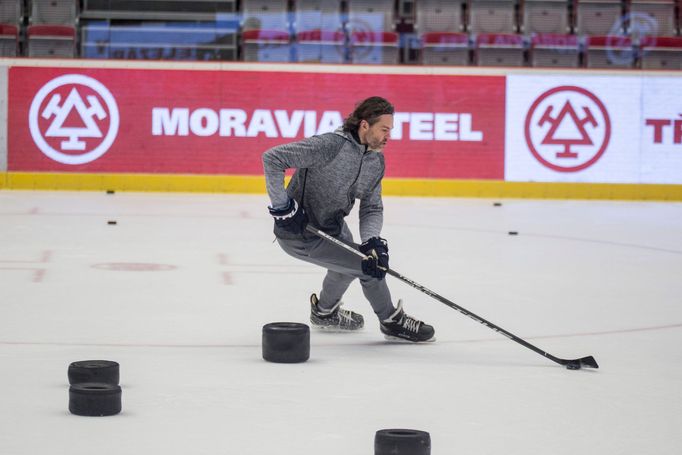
[[73, 119], [567, 129]]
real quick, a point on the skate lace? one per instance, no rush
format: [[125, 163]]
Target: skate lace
[[345, 314], [410, 323]]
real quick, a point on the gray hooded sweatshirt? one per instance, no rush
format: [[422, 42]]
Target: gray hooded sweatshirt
[[332, 171]]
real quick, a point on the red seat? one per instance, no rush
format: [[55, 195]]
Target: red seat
[[51, 41]]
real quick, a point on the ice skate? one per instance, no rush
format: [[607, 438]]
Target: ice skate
[[402, 327], [334, 320]]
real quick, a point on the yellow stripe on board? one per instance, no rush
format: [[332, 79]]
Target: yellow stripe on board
[[391, 186]]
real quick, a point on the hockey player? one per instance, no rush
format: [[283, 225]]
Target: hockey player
[[332, 171]]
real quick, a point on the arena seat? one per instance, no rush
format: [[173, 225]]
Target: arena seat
[[51, 41], [599, 17], [159, 40], [266, 46], [661, 53], [492, 16], [546, 16], [375, 16], [11, 12], [609, 52], [159, 10], [320, 34], [554, 50], [440, 25], [499, 50], [374, 48], [54, 12], [265, 31], [9, 40], [440, 16], [656, 17], [445, 49]]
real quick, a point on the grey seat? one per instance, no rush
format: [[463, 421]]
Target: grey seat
[[9, 40], [599, 17], [265, 26], [49, 41], [499, 50], [320, 34], [440, 16], [546, 16], [371, 16], [652, 17], [609, 52], [492, 16], [553, 50], [54, 12], [11, 12], [661, 53]]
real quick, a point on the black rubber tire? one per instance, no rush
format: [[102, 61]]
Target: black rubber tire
[[402, 442], [102, 371], [94, 399], [286, 342]]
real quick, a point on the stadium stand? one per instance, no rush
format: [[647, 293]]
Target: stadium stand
[[265, 31], [653, 17], [11, 12], [440, 25], [9, 40], [609, 52], [546, 16], [661, 53], [371, 15], [54, 12], [157, 10], [159, 40], [440, 16], [445, 49], [374, 48], [555, 50], [370, 25], [320, 34], [51, 41], [499, 50], [492, 16], [599, 17]]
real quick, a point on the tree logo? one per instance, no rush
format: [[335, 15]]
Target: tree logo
[[73, 119], [567, 129]]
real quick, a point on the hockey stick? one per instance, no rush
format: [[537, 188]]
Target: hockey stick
[[571, 364]]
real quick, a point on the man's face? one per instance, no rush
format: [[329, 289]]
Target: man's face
[[377, 135]]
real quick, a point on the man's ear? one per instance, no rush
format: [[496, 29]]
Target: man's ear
[[364, 125]]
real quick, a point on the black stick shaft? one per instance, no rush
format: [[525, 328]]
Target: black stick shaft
[[443, 300]]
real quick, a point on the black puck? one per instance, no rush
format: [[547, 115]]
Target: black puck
[[286, 342], [513, 233], [112, 222], [94, 399], [111, 191], [102, 371], [573, 366], [497, 204], [402, 442]]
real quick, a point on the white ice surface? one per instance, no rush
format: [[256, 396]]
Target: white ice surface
[[581, 278]]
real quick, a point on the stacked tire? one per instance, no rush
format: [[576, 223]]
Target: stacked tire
[[94, 388]]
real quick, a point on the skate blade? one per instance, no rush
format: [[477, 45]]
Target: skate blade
[[403, 340], [325, 329]]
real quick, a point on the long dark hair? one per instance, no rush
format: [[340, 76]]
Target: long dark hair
[[370, 110]]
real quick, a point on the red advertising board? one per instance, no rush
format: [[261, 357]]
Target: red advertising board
[[220, 122]]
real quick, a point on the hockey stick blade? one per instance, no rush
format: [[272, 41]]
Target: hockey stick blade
[[576, 364]]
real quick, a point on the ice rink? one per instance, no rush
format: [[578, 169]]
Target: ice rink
[[178, 290]]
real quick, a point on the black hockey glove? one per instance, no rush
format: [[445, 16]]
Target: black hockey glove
[[291, 218], [376, 250]]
